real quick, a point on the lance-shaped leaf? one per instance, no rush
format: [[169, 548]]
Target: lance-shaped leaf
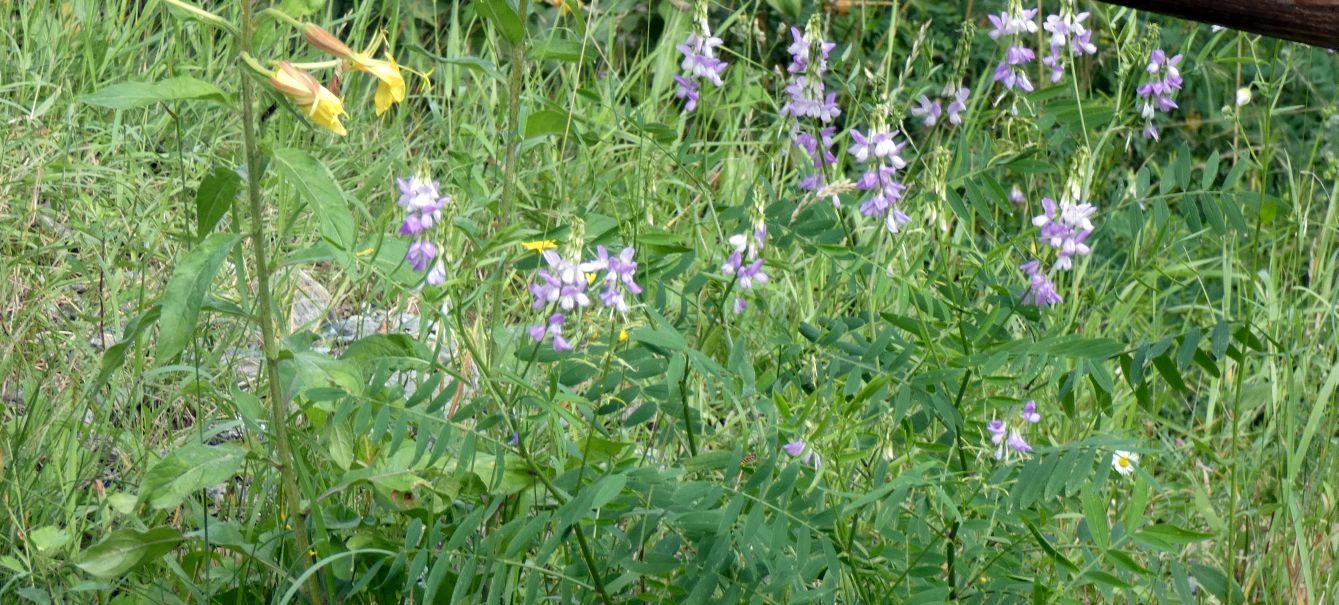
[[214, 198], [318, 188], [188, 470], [129, 95], [185, 293], [127, 549]]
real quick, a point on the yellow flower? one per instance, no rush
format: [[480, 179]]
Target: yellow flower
[[539, 245], [623, 335], [390, 86], [321, 105]]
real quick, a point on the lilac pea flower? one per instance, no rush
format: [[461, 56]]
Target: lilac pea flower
[[997, 430], [421, 252], [553, 327], [958, 105], [798, 449], [437, 276], [688, 91], [1040, 291], [1016, 196], [1030, 411], [1018, 444], [928, 110]]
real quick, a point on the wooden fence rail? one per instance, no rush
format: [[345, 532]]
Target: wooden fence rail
[[1313, 22]]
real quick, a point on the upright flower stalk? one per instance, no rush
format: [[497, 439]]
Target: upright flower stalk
[[1065, 227], [1011, 440], [561, 289], [1066, 30], [264, 316], [744, 263]]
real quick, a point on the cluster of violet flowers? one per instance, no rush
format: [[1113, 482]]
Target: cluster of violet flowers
[[1006, 439], [745, 264], [1065, 226], [562, 285], [1067, 30], [810, 99], [423, 203], [1164, 79], [931, 110], [881, 153], [1011, 71], [699, 63]]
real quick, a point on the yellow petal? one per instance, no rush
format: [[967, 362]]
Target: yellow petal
[[539, 245], [325, 112], [390, 87], [623, 335]]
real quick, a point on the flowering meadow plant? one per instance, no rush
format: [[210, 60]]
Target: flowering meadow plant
[[512, 301]]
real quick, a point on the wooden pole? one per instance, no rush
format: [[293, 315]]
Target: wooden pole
[[1314, 22]]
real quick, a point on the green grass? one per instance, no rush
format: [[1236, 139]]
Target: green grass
[[1203, 325]]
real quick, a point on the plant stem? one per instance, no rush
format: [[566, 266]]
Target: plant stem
[[265, 317], [513, 113]]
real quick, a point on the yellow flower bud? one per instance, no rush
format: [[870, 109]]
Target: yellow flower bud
[[294, 83], [390, 86], [326, 41]]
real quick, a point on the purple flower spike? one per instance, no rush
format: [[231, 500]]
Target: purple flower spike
[[1163, 82], [881, 152], [699, 63], [423, 203], [1065, 227], [1012, 28]]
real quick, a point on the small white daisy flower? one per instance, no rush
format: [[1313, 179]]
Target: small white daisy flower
[[1124, 462]]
